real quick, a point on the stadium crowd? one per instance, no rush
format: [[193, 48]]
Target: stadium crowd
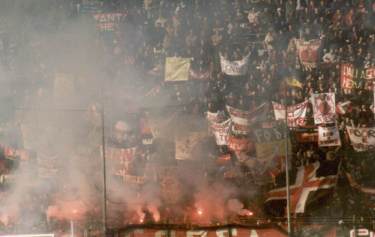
[[133, 52]]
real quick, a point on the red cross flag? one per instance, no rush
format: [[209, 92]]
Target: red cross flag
[[308, 180]]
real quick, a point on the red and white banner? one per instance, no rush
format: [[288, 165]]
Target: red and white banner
[[108, 21], [362, 139], [279, 111], [296, 113], [324, 108], [235, 232], [221, 131], [343, 107], [215, 117], [308, 52], [347, 76], [234, 68], [370, 73], [329, 136], [239, 116]]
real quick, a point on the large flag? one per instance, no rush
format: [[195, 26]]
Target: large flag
[[234, 68], [296, 113], [270, 149], [324, 108], [221, 132], [362, 139], [177, 69], [308, 52], [329, 136], [186, 145], [347, 76], [305, 186]]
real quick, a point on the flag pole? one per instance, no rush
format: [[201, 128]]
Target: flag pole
[[104, 176], [290, 234]]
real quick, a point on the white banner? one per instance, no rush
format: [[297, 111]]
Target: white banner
[[362, 139], [324, 107], [328, 136], [234, 68], [296, 113], [221, 131], [215, 117]]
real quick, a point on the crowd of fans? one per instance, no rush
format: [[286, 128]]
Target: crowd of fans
[[133, 52]]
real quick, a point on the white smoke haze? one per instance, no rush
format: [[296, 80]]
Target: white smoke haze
[[59, 119]]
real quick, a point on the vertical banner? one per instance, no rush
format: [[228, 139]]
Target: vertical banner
[[347, 76], [328, 136], [308, 52], [324, 107]]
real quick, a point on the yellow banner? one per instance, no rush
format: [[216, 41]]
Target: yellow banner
[[269, 150], [177, 69]]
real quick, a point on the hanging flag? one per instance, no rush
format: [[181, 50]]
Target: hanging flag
[[293, 82], [221, 132], [347, 76], [177, 69], [306, 183], [370, 73], [186, 145], [270, 150], [324, 108], [242, 120], [362, 139], [329, 136], [296, 113], [234, 68], [308, 52], [343, 107]]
